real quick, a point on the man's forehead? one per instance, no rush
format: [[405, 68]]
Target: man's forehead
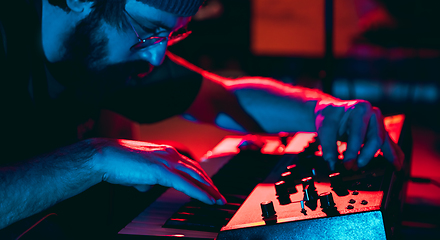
[[146, 13]]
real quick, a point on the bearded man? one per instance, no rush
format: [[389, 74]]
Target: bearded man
[[63, 61]]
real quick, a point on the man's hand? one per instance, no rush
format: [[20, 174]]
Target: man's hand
[[363, 125], [142, 164]]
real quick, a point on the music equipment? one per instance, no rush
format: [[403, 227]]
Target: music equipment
[[279, 187]]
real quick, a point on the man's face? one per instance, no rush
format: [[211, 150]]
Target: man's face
[[97, 49]]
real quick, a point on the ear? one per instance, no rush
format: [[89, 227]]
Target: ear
[[80, 6]]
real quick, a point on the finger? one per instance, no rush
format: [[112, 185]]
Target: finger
[[328, 136], [211, 189], [192, 171], [196, 165], [173, 154], [183, 184], [357, 128], [392, 152], [196, 173], [374, 139]]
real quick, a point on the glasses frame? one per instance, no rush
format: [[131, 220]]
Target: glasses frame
[[139, 46]]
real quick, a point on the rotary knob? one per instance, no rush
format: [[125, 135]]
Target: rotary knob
[[336, 180], [267, 209], [287, 177], [290, 181], [337, 184], [327, 201], [308, 182], [291, 167], [294, 170], [309, 195], [281, 188]]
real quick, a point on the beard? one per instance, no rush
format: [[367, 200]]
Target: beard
[[84, 65]]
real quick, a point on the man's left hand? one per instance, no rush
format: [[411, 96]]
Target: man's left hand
[[364, 127]]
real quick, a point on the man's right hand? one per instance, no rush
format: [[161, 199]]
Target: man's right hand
[[141, 164]]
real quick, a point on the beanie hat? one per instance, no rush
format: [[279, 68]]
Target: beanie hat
[[184, 8]]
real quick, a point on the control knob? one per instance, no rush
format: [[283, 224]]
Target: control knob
[[267, 209], [327, 201]]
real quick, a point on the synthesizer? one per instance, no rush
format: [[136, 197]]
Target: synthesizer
[[280, 186]]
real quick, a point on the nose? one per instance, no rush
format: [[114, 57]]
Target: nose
[[154, 54]]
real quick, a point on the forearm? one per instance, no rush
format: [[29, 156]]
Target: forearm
[[253, 104], [270, 105], [34, 185], [277, 106]]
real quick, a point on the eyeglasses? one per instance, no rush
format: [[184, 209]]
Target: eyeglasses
[[172, 38]]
